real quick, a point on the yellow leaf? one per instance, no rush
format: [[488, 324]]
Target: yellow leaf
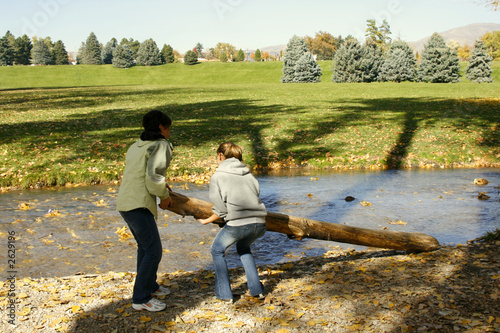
[[270, 307], [144, 319], [24, 312], [490, 319], [75, 308]]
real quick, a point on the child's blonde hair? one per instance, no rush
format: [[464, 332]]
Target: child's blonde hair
[[229, 149]]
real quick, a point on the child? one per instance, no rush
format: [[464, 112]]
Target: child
[[234, 191], [147, 161]]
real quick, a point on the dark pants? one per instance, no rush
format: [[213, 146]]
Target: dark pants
[[142, 224]]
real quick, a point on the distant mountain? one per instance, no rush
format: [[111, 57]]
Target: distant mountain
[[463, 35]]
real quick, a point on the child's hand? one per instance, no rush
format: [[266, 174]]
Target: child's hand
[[203, 221], [165, 203]]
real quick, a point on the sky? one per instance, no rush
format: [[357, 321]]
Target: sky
[[246, 24]]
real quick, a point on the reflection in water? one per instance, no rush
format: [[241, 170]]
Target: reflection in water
[[79, 235]]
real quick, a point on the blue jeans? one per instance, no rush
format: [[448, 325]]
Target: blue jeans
[[243, 236], [142, 224]]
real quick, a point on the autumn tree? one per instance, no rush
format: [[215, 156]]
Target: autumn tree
[[123, 56], [400, 64], [148, 54], [479, 67], [323, 45], [439, 63], [228, 49], [492, 43]]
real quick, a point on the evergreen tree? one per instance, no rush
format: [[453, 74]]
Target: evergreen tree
[[223, 57], [372, 59], [22, 50], [479, 67], [148, 54], [348, 62], [190, 58], [240, 56], [80, 54], [134, 45], [123, 56], [400, 64], [198, 49], [41, 53], [295, 49], [380, 35], [258, 56], [439, 63], [167, 54], [107, 51], [6, 51], [307, 69], [92, 53], [59, 53]]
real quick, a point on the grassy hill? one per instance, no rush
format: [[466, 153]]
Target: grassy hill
[[73, 124]]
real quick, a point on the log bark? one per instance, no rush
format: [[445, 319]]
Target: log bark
[[299, 228]]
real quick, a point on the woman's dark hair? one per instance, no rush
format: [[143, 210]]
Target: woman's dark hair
[[153, 119]]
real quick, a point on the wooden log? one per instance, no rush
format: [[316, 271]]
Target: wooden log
[[299, 228]]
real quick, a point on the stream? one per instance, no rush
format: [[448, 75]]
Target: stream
[[77, 230]]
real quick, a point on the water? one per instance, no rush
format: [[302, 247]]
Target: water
[[80, 235]]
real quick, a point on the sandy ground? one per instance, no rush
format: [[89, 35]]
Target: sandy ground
[[453, 289]]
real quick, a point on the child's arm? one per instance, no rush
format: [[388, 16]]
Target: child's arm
[[211, 219]]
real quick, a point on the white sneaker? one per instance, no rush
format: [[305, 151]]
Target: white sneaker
[[153, 305], [161, 292]]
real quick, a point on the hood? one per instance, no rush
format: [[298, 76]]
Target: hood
[[234, 166]]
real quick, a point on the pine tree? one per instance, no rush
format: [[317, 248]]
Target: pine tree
[[6, 51], [92, 53], [167, 54], [59, 53], [307, 70], [372, 59], [22, 49], [257, 56], [439, 63], [347, 62], [190, 58], [240, 56], [223, 57], [148, 54], [41, 53], [107, 51], [479, 67], [400, 64], [295, 49], [123, 56]]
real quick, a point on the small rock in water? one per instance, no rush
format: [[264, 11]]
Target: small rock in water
[[349, 198], [483, 196], [480, 181]]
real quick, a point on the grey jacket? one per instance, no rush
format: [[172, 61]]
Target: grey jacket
[[234, 191], [144, 177]]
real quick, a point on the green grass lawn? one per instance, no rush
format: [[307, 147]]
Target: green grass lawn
[[73, 124]]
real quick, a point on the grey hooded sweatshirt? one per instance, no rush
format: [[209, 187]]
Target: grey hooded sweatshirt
[[234, 191]]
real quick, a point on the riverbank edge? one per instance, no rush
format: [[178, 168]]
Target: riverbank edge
[[455, 288]]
